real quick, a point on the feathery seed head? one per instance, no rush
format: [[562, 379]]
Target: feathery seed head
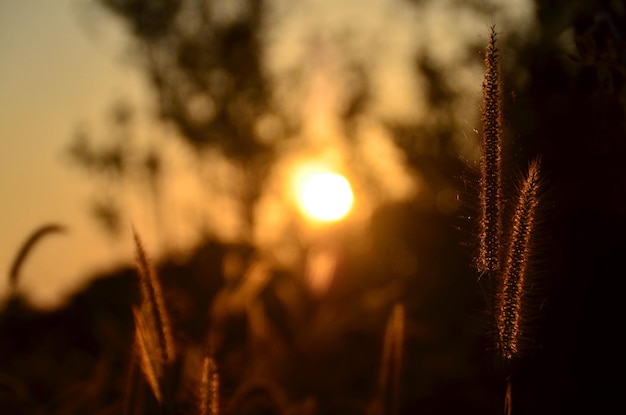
[[153, 305], [510, 296], [491, 164]]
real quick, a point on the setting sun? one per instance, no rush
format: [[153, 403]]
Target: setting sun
[[324, 196]]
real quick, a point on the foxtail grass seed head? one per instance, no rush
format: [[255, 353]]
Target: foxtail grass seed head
[[153, 305], [510, 296], [210, 388], [491, 164]]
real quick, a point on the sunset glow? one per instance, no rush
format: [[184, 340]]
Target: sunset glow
[[324, 196]]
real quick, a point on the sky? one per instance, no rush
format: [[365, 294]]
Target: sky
[[55, 73], [62, 66]]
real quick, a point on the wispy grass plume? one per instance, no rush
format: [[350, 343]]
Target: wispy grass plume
[[153, 338], [490, 234], [510, 295], [505, 244], [153, 306]]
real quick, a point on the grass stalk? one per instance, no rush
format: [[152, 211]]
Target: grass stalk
[[389, 381]]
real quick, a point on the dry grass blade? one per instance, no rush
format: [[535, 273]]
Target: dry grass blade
[[149, 367], [210, 388], [491, 164], [132, 402], [27, 247], [388, 398], [510, 296], [153, 307]]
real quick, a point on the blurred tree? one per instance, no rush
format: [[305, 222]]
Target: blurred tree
[[206, 64], [208, 82], [206, 68], [205, 61]]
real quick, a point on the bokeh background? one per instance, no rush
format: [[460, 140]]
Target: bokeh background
[[188, 120], [73, 70]]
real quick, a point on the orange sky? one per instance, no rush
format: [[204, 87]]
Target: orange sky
[[61, 66], [53, 75]]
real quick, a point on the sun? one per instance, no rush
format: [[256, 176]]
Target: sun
[[323, 195]]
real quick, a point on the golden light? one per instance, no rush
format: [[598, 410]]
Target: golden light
[[323, 195]]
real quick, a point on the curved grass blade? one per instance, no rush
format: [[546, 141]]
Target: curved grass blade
[[27, 247]]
